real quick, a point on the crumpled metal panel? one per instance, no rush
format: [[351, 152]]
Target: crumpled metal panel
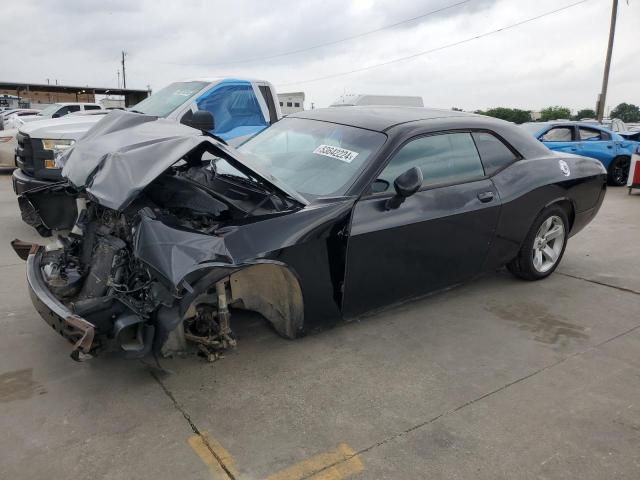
[[175, 253], [124, 152]]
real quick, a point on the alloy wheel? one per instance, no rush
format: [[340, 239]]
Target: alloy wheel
[[547, 246]]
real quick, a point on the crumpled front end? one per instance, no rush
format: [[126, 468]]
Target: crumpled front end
[[77, 330], [141, 260], [108, 287]]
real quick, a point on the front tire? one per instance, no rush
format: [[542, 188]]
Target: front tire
[[619, 171], [543, 246]]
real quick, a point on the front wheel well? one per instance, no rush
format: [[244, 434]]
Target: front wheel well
[[273, 291], [617, 157]]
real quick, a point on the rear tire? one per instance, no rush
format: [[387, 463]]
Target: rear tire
[[543, 246], [619, 171]]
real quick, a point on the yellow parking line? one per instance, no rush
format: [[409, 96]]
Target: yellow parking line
[[205, 447], [339, 464], [336, 465]]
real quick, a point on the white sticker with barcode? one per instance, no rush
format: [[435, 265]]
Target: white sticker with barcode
[[338, 153]]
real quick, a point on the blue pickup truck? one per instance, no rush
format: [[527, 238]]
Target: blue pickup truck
[[589, 140]]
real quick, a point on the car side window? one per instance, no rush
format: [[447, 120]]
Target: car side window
[[495, 155], [63, 111], [232, 106], [92, 107], [443, 158], [592, 134], [558, 134]]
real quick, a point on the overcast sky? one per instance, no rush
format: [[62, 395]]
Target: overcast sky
[[554, 60]]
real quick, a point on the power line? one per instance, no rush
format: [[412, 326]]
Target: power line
[[321, 45], [436, 49]]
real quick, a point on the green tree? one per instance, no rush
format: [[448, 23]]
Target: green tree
[[627, 112], [586, 113], [554, 113], [514, 115]]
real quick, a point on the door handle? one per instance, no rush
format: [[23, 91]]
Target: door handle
[[609, 146], [485, 197]]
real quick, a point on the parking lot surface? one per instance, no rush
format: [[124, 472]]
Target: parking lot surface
[[498, 379]]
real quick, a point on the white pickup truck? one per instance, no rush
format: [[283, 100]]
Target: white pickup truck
[[240, 108]]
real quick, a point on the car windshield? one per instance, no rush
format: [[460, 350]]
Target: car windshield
[[165, 101], [50, 110], [313, 158]]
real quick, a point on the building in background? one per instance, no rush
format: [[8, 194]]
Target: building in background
[[36, 94], [291, 102], [110, 102], [535, 116]]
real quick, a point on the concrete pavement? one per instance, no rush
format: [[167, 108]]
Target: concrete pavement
[[496, 379]]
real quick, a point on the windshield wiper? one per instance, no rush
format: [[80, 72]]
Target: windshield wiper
[[245, 181]]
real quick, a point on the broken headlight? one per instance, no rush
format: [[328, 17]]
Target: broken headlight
[[57, 146]]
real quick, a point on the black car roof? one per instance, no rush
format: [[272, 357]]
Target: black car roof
[[379, 118]]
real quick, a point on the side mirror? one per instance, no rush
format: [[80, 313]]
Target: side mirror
[[406, 185], [200, 119], [55, 115]]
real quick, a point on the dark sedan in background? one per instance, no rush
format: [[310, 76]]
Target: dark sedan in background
[[323, 216]]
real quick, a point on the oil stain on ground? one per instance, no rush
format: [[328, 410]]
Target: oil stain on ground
[[547, 326], [18, 385]]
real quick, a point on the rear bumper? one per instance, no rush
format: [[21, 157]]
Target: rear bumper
[[23, 183], [583, 218], [77, 330]]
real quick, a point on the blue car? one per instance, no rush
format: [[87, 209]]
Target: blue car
[[613, 150]]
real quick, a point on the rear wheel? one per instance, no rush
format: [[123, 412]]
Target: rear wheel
[[619, 171], [543, 247]]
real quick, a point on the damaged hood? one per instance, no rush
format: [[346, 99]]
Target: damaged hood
[[124, 152]]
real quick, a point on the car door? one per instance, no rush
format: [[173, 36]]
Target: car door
[[596, 144], [562, 138], [439, 236]]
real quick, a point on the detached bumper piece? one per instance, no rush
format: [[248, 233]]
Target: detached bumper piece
[[75, 329]]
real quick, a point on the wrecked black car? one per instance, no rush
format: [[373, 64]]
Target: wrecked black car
[[323, 216]]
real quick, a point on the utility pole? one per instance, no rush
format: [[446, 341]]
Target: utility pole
[[602, 98], [118, 72], [124, 75]]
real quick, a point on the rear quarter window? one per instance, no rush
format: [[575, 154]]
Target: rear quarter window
[[495, 155]]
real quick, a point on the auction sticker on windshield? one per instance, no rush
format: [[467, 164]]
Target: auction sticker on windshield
[[338, 153]]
